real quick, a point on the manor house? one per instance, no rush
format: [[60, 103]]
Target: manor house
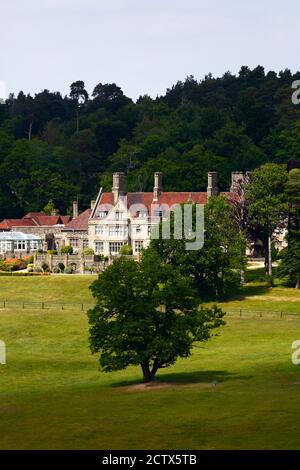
[[127, 218]]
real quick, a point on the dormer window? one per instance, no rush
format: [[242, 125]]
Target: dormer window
[[103, 214], [118, 215], [142, 214]]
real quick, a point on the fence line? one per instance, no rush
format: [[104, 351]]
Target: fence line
[[81, 306], [247, 313], [84, 306]]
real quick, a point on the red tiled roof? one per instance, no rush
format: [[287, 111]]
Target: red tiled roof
[[168, 198], [35, 219], [33, 215], [65, 219], [10, 223], [49, 220], [80, 222]]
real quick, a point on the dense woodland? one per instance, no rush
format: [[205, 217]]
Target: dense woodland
[[55, 148]]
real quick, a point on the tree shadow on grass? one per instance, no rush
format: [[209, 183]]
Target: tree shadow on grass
[[247, 291], [213, 377]]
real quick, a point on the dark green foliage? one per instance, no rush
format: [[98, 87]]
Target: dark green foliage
[[61, 267], [267, 204], [45, 267], [290, 265], [147, 314], [69, 270], [55, 148], [126, 250], [216, 268]]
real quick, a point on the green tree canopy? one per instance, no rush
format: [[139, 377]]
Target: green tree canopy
[[267, 203], [216, 267], [147, 314]]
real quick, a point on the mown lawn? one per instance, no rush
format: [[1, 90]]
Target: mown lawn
[[239, 391]]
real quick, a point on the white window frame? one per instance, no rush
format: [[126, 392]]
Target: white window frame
[[99, 229], [118, 215], [99, 247], [138, 246], [115, 247], [117, 230], [74, 243]]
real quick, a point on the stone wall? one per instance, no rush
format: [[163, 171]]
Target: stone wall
[[81, 263]]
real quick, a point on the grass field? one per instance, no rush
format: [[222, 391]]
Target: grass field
[[239, 391]]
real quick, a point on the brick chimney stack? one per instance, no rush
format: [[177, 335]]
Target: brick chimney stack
[[212, 186], [75, 209], [118, 188], [157, 190]]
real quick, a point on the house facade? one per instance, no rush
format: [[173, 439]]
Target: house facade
[[76, 232], [48, 228], [128, 218]]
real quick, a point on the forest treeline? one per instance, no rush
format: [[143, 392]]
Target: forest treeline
[[56, 148]]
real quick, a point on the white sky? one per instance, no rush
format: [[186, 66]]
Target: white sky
[[144, 46]]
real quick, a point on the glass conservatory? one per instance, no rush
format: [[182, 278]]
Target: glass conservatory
[[18, 241]]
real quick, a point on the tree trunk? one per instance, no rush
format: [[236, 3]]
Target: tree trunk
[[148, 375], [270, 270], [30, 130], [242, 277], [298, 282]]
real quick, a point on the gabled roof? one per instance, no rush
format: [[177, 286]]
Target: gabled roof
[[80, 223], [65, 219], [33, 215], [49, 220], [35, 219], [8, 224], [106, 200]]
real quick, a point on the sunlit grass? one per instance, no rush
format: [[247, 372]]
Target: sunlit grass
[[238, 391]]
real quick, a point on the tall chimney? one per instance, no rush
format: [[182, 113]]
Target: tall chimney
[[93, 203], [75, 209], [237, 179], [212, 187], [118, 188], [157, 190]]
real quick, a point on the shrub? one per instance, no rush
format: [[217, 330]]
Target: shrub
[[45, 267], [52, 252], [30, 268], [69, 270], [56, 270], [24, 274], [88, 251], [38, 270], [66, 250], [126, 250], [12, 264], [61, 267]]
